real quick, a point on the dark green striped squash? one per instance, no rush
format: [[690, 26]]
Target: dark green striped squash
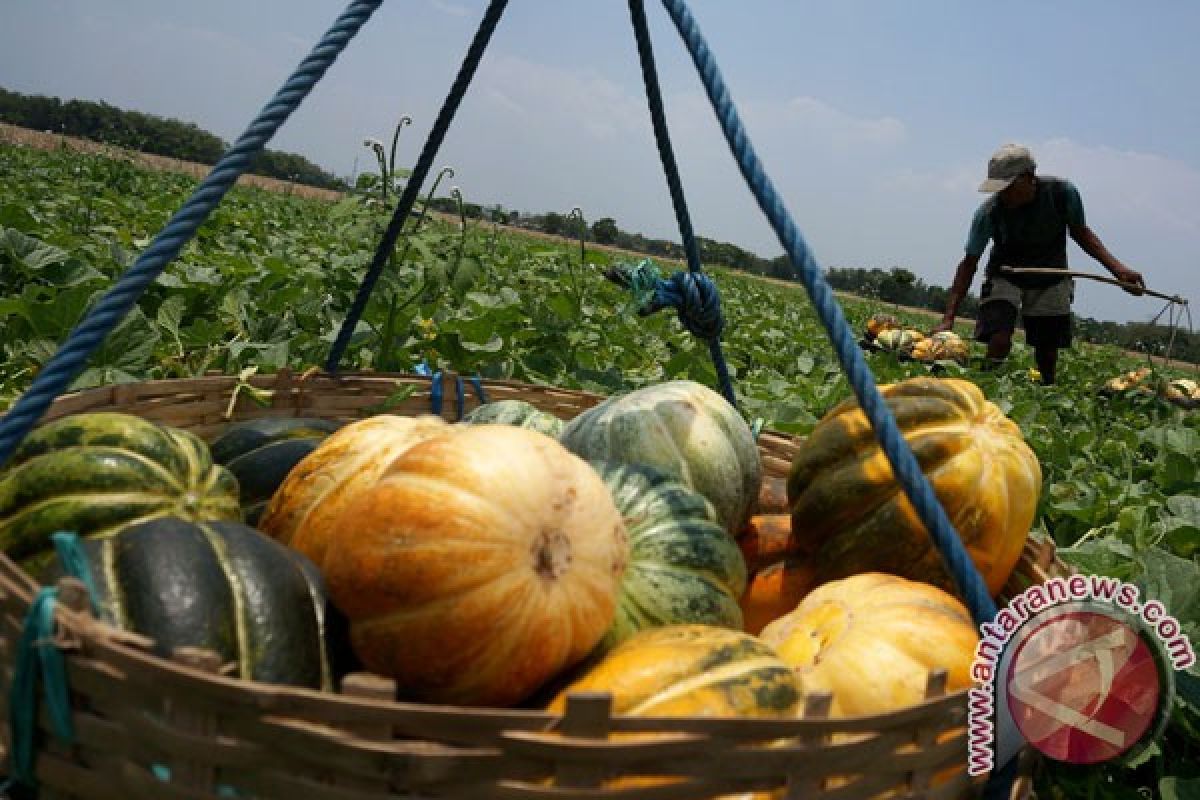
[[261, 452], [515, 412], [684, 429], [222, 586], [683, 567], [94, 473]]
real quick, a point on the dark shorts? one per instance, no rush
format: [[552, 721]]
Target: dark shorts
[[1001, 315]]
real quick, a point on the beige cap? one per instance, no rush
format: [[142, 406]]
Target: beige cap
[[1005, 165]]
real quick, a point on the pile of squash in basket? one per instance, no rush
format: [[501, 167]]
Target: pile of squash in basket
[[511, 558]]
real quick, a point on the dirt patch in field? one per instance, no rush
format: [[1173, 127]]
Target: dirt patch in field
[[44, 140]]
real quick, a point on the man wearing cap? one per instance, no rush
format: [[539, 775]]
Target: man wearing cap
[[1027, 219]]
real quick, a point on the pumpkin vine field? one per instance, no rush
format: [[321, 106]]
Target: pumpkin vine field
[[267, 281]]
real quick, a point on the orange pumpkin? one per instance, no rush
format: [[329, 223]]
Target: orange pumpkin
[[850, 514], [767, 538], [303, 511], [774, 591], [481, 563], [871, 641]]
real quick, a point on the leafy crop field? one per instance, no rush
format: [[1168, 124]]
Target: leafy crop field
[[268, 279]]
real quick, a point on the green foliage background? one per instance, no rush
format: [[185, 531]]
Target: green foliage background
[[268, 279]]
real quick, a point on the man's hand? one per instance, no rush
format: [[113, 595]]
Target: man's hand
[[1135, 282], [946, 324]]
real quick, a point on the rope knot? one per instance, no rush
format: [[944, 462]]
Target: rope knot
[[695, 297]]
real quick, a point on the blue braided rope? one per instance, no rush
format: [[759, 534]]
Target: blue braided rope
[[69, 360], [662, 135], [700, 294], [420, 171], [435, 393], [904, 464], [480, 392]]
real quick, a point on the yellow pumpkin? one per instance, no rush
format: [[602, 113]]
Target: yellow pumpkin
[[691, 671], [481, 563], [871, 641], [303, 511], [850, 515]]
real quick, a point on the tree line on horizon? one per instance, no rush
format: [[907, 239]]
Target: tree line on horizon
[[147, 133]]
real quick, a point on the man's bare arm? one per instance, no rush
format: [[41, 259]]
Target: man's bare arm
[[963, 275], [1087, 239]]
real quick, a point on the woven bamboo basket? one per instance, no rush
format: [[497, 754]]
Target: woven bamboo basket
[[135, 713]]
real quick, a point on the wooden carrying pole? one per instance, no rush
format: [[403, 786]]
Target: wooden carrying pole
[[1092, 276]]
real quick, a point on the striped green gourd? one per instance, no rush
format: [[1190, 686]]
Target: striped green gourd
[[94, 473], [683, 567], [683, 429], [515, 412]]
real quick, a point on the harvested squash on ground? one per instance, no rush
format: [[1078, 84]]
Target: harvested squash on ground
[[1180, 391], [871, 641], [518, 413], [261, 452], [850, 515], [222, 586], [943, 346], [899, 340], [303, 513], [878, 323], [478, 565], [684, 429], [775, 590], [93, 474]]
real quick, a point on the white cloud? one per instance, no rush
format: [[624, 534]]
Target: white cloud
[[453, 9]]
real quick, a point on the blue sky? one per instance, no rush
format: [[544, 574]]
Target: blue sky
[[873, 119]]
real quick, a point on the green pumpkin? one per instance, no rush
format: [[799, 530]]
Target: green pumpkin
[[683, 429], [683, 567], [95, 473], [518, 413], [261, 452], [222, 586]]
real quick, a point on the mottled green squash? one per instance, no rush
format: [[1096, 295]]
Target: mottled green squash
[[683, 567], [518, 413], [222, 586], [261, 452], [684, 429], [93, 474]]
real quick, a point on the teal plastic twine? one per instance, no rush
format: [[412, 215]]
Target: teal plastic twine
[[38, 656], [644, 279]]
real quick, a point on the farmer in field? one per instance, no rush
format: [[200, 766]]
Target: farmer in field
[[1027, 219]]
